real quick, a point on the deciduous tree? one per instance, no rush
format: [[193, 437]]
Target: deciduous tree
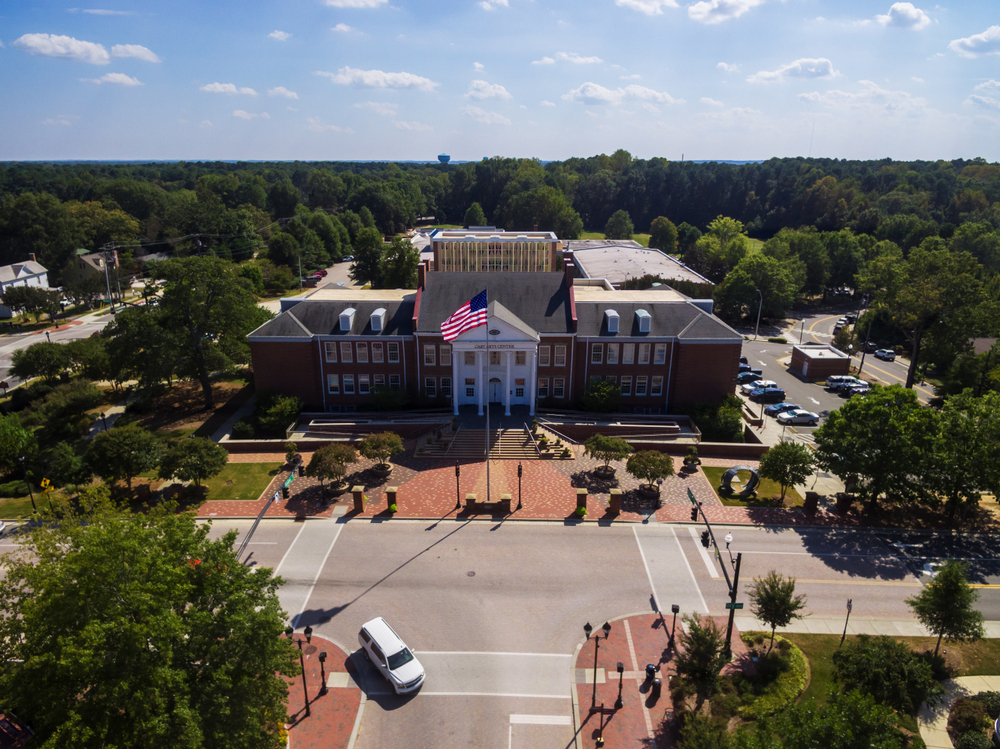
[[788, 463], [946, 605], [773, 601], [330, 462], [381, 447], [663, 234], [607, 448], [15, 442], [193, 459], [701, 655], [474, 216], [399, 265], [887, 670], [368, 251], [43, 359], [122, 453], [619, 226], [650, 465]]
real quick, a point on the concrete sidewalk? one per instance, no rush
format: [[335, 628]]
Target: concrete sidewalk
[[933, 721]]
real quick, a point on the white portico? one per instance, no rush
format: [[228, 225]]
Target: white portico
[[496, 363]]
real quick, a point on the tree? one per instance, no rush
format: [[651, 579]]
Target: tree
[[606, 448], [788, 463], [32, 300], [619, 226], [399, 265], [367, 265], [879, 444], [887, 670], [139, 347], [193, 459], [773, 601], [663, 234], [123, 453], [602, 397], [89, 357], [701, 655], [284, 249], [15, 442], [86, 289], [381, 447], [282, 199], [330, 462], [140, 630], [43, 359], [650, 465], [946, 605], [757, 285], [276, 412], [65, 467], [474, 216]]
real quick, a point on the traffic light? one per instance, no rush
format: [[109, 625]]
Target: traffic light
[[284, 492], [694, 513], [704, 539], [302, 469]]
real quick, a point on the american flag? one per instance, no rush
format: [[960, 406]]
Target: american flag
[[470, 315]]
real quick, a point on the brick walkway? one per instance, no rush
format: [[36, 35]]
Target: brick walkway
[[332, 716]]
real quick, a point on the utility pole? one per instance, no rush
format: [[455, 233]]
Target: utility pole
[[107, 279]]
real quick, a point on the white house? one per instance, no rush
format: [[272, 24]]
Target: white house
[[28, 273]]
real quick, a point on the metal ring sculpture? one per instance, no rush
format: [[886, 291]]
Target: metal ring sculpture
[[751, 486]]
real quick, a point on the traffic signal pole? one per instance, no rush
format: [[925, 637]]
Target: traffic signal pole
[[732, 605]]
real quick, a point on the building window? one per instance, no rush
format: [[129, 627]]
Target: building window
[[495, 358], [377, 352], [657, 385], [560, 355], [640, 385], [543, 355], [660, 353], [626, 386], [594, 379], [597, 353], [346, 355], [612, 353], [430, 357], [628, 353], [333, 384], [520, 358], [363, 384], [543, 387], [446, 387], [363, 353], [644, 353], [445, 354], [393, 381], [349, 384], [470, 387], [470, 358], [559, 387], [519, 387], [612, 379], [331, 351], [393, 352], [430, 387], [379, 382]]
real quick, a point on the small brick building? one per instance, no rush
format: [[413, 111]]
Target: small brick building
[[816, 363]]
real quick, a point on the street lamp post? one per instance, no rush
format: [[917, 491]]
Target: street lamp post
[[675, 609], [597, 646], [732, 594], [31, 494], [621, 670], [519, 484], [322, 670], [759, 309], [290, 631], [458, 493]]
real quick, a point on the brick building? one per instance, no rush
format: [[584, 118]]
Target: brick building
[[547, 339]]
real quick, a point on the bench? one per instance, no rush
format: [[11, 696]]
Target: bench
[[472, 504]]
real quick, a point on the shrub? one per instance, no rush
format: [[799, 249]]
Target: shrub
[[777, 340], [782, 677], [276, 412], [393, 508], [991, 701], [888, 670], [967, 715], [566, 453], [23, 396], [18, 488], [243, 430], [581, 511], [973, 740], [141, 405]]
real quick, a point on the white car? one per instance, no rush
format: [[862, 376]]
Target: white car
[[885, 354], [798, 416], [751, 386], [845, 383], [3, 528], [389, 654]]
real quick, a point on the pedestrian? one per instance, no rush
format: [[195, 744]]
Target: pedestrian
[[48, 337]]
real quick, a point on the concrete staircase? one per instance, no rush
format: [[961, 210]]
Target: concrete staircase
[[514, 444], [470, 445]]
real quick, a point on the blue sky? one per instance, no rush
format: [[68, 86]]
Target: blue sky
[[552, 79]]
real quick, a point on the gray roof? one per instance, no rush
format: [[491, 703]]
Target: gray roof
[[681, 320], [20, 270], [540, 300], [308, 318]]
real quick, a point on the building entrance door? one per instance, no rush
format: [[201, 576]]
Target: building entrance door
[[496, 390]]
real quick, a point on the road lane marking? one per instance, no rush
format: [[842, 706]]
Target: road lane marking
[[277, 570], [542, 720], [635, 667], [487, 694], [704, 606], [656, 598], [704, 553]]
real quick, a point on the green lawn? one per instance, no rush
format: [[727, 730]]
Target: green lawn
[[642, 239], [768, 491], [248, 481], [13, 507]]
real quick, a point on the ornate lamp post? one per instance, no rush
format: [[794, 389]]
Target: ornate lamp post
[[458, 491], [290, 631], [597, 646]]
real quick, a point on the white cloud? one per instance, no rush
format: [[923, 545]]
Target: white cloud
[[547, 103], [134, 50], [477, 66], [987, 43], [384, 109], [492, 4], [905, 16], [66, 47], [717, 11], [484, 90], [342, 28], [281, 36], [543, 61], [282, 91], [916, 79], [379, 79], [100, 12], [244, 115], [633, 77], [986, 102], [487, 118], [64, 120], [593, 93], [727, 67], [205, 123], [577, 59], [414, 126], [227, 88], [805, 67], [710, 102], [649, 7], [990, 85], [355, 3], [871, 95], [120, 78], [317, 126]]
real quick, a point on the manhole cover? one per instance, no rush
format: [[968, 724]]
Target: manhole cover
[[471, 574]]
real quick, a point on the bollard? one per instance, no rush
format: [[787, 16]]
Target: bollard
[[358, 493], [581, 498], [654, 691], [650, 672], [616, 501], [390, 495]]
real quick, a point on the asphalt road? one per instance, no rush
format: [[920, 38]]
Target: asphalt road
[[68, 331]]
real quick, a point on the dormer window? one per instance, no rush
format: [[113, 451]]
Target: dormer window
[[612, 317], [378, 320], [347, 319], [643, 319]]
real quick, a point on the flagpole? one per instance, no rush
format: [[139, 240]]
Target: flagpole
[[486, 381]]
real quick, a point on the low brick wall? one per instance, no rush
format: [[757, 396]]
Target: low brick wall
[[734, 450]]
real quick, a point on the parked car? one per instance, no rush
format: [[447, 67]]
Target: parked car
[[389, 654], [744, 377], [3, 528], [860, 389], [744, 360], [349, 258], [322, 272], [851, 318], [848, 382], [842, 321], [748, 368], [885, 354], [751, 386], [798, 416], [834, 382], [870, 346], [768, 395], [777, 408]]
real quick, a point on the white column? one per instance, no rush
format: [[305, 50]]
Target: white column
[[507, 386], [480, 380], [533, 380], [454, 377]]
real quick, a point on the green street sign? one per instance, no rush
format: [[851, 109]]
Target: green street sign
[[691, 497], [734, 606]]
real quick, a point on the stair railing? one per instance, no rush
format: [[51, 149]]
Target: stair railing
[[532, 438], [453, 439]]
